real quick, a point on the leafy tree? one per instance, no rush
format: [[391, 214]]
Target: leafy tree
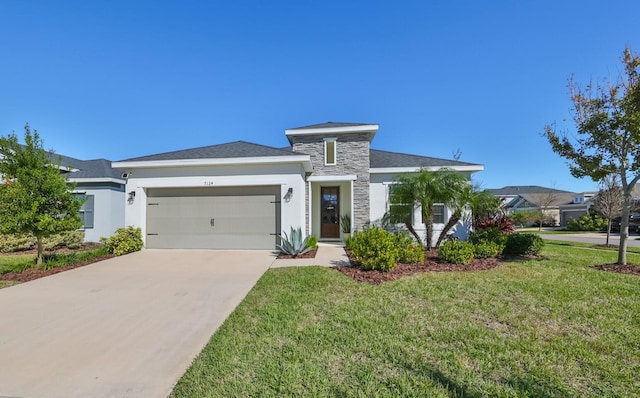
[[609, 201], [607, 118], [34, 197], [424, 189], [524, 217]]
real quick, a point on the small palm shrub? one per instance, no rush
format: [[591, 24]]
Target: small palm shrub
[[520, 244], [294, 244], [456, 252], [375, 248], [487, 250], [124, 241], [410, 251]]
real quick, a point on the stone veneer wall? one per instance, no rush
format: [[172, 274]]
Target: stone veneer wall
[[352, 157]]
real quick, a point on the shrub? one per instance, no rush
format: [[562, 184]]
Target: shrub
[[523, 244], [125, 240], [312, 242], [73, 239], [587, 222], [409, 251], [503, 223], [13, 243], [375, 249], [491, 234], [487, 249], [348, 241], [456, 252]]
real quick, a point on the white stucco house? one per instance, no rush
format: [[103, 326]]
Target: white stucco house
[[103, 188], [242, 195]]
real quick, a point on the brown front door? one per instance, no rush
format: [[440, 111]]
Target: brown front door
[[330, 212]]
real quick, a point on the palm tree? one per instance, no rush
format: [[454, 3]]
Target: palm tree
[[425, 189], [482, 205]]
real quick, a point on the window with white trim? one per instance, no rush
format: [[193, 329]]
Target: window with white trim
[[329, 151], [438, 214], [398, 211], [86, 211]]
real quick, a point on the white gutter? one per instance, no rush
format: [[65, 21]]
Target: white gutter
[[305, 160]]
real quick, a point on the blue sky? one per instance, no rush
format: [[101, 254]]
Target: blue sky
[[119, 79]]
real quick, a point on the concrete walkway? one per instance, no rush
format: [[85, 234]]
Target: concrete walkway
[[126, 327], [328, 255]]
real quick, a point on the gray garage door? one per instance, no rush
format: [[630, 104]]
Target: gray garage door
[[213, 218]]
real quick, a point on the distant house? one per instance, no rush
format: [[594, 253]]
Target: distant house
[[102, 187], [531, 197], [242, 195], [577, 207]]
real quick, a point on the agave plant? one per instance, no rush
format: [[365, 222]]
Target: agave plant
[[293, 244]]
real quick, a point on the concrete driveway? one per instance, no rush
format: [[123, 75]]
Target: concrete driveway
[[125, 327]]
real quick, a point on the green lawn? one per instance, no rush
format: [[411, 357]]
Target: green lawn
[[15, 262], [534, 328]]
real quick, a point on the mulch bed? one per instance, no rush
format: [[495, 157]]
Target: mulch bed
[[631, 269], [309, 254], [31, 274], [431, 264]]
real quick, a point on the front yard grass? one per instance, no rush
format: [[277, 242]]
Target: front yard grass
[[550, 327]]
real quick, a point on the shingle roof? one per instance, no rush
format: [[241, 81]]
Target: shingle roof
[[557, 198], [237, 149], [330, 125], [95, 168], [385, 159], [524, 190]]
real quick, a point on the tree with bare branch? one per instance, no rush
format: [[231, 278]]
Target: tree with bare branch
[[609, 200]]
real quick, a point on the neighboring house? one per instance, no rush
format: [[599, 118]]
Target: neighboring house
[[103, 188], [531, 197], [577, 207], [241, 195]]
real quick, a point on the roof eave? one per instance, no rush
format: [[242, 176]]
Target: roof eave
[[386, 170], [370, 129], [96, 179], [305, 160]]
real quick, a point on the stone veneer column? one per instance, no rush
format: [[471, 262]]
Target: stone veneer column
[[352, 157]]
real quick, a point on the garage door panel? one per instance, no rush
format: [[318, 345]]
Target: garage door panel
[[241, 221]]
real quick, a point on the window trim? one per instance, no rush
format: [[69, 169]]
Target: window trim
[[444, 213], [326, 153]]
